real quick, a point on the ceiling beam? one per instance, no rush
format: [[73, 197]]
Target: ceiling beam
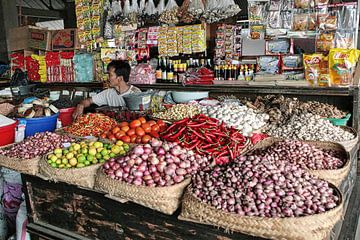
[[51, 14]]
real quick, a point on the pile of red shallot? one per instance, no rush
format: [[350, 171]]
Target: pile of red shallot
[[303, 155], [260, 188], [37, 145], [156, 164]]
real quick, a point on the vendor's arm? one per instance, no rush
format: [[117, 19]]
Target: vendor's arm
[[81, 106]]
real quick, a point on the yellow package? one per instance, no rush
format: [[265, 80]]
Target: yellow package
[[341, 65], [312, 66]]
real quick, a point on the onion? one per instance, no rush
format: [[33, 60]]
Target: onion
[[138, 150], [161, 151]]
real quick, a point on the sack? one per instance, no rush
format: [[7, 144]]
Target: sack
[[83, 177], [162, 199], [314, 227], [26, 166]]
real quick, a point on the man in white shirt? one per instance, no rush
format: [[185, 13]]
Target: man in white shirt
[[119, 72]]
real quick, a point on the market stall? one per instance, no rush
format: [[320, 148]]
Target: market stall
[[245, 129]]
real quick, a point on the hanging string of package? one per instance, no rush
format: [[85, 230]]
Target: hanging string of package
[[130, 13], [218, 10], [108, 13], [169, 15], [191, 11], [151, 15]]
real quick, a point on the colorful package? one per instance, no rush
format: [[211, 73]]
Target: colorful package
[[341, 65], [325, 41], [312, 67]]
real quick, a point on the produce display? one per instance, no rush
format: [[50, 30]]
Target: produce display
[[92, 124], [207, 136], [237, 116], [259, 188], [310, 127], [137, 131], [64, 103], [281, 108], [36, 146], [301, 154], [35, 108], [83, 154], [178, 112], [157, 164]]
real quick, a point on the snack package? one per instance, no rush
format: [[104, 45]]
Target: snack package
[[279, 46], [292, 62], [341, 65], [324, 78], [312, 68], [325, 41], [327, 21], [347, 17], [311, 22], [319, 3], [300, 22], [257, 31], [274, 20], [268, 65], [304, 4], [286, 18], [344, 39], [256, 11]]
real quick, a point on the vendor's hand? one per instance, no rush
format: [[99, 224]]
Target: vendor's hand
[[78, 111]]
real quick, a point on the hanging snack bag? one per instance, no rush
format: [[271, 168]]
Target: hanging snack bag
[[304, 4], [327, 21], [300, 22], [324, 79], [319, 3], [345, 39], [341, 64], [325, 41], [311, 22], [257, 31], [312, 67], [268, 65]]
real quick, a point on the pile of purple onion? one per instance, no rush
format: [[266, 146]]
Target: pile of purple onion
[[37, 145], [303, 155], [155, 165], [258, 187]]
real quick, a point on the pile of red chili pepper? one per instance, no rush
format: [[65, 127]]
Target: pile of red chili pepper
[[208, 136], [92, 124]]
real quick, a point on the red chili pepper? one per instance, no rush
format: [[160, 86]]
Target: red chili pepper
[[196, 125], [197, 134], [181, 121]]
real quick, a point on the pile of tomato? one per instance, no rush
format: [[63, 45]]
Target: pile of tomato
[[136, 131]]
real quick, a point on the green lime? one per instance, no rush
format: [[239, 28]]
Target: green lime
[[102, 161], [106, 157], [90, 158], [98, 156], [49, 162], [112, 155], [65, 161], [80, 165], [95, 161], [81, 159], [54, 165], [87, 163]]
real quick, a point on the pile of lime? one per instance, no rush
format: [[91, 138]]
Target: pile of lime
[[83, 154]]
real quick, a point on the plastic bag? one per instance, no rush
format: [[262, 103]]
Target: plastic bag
[[141, 7], [345, 39], [150, 8], [342, 63], [116, 9], [312, 68], [169, 15], [218, 10], [196, 8], [161, 7]]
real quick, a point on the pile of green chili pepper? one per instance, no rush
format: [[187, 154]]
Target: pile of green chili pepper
[[207, 135]]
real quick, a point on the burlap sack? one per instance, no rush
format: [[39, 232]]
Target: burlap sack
[[335, 177], [314, 227], [26, 166], [349, 145], [83, 177], [163, 199]]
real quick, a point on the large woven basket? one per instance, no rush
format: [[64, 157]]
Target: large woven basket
[[314, 227], [349, 145], [83, 177], [336, 176], [163, 199], [26, 166]]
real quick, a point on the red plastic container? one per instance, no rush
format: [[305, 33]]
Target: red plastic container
[[7, 134], [66, 116]]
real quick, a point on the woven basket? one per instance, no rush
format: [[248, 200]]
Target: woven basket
[[349, 145], [26, 166], [336, 176], [84, 177], [314, 227], [163, 199]]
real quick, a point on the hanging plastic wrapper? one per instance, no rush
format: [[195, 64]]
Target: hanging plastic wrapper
[[218, 10], [196, 8], [141, 7], [345, 39], [130, 13], [150, 16], [160, 7], [256, 11], [116, 11], [347, 17], [191, 10], [169, 16]]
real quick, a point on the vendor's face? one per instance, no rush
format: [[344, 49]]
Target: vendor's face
[[114, 80]]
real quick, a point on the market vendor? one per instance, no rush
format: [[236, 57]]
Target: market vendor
[[119, 73]]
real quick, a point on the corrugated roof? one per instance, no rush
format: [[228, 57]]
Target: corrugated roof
[[51, 25], [41, 4]]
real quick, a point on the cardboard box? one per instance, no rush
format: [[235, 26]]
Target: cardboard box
[[66, 39], [25, 38]]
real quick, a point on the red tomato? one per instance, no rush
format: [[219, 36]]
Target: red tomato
[[154, 134], [163, 128], [138, 139], [115, 130], [155, 128], [125, 139], [161, 123], [123, 124], [133, 138], [125, 128], [142, 120], [140, 131], [103, 135], [119, 134], [131, 132], [135, 124], [146, 127], [151, 122], [146, 138], [112, 137]]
